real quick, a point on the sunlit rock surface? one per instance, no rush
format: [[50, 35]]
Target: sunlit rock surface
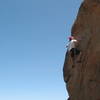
[[83, 78]]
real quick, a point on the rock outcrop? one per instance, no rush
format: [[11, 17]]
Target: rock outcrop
[[83, 78]]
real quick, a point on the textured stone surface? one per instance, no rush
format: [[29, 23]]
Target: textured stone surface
[[83, 79]]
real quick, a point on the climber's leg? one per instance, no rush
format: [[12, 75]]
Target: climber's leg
[[68, 99], [77, 51], [72, 52], [79, 57]]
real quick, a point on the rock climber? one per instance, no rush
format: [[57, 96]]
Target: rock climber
[[72, 47]]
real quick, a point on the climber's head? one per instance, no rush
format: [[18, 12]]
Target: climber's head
[[71, 38]]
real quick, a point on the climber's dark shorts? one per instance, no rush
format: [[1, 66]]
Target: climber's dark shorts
[[74, 51]]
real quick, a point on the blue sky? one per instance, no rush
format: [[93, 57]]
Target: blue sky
[[32, 48]]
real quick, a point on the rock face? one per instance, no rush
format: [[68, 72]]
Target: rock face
[[83, 78]]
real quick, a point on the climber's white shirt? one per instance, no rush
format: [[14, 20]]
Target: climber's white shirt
[[71, 44]]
